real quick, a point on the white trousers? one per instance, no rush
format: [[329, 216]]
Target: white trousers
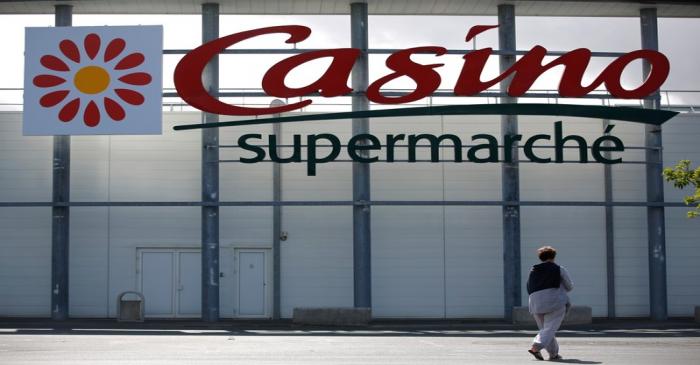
[[548, 323]]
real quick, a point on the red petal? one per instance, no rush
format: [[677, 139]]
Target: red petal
[[53, 98], [48, 80], [130, 61], [130, 96], [91, 117], [476, 30], [114, 48], [54, 63], [70, 50], [114, 110], [138, 78], [69, 110], [92, 45]]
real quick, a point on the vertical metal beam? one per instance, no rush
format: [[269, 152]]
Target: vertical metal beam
[[360, 171], [210, 176], [656, 225], [60, 221], [609, 231], [510, 179], [277, 220]]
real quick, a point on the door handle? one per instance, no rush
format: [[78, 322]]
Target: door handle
[[180, 287]]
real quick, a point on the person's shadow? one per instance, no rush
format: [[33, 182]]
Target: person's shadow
[[576, 361]]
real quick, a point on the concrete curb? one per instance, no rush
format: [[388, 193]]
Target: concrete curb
[[332, 316]]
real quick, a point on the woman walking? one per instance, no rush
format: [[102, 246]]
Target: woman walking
[[547, 286]]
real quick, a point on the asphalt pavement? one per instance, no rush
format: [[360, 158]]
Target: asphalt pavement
[[407, 344]]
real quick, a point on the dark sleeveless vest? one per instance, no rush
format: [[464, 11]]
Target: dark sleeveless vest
[[543, 276]]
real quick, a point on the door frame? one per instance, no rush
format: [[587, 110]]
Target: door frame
[[175, 257], [267, 281]]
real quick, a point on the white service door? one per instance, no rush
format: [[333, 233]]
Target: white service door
[[157, 283], [190, 284], [251, 283], [170, 282]]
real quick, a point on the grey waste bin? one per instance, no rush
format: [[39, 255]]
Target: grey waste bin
[[130, 307]]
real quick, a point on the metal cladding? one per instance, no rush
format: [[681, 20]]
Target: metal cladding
[[430, 252]]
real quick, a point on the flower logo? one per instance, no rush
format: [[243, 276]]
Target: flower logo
[[99, 82]]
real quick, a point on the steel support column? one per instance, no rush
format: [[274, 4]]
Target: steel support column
[[609, 230], [210, 176], [510, 179], [656, 224], [360, 171], [60, 221], [277, 220]]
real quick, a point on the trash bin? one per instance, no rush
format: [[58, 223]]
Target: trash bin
[[130, 307]]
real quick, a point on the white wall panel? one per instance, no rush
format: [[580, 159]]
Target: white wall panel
[[408, 242], [333, 181], [408, 260], [578, 234], [90, 168], [246, 226], [473, 262], [630, 226], [683, 262], [158, 168], [560, 181], [427, 261], [239, 181], [629, 180], [631, 262], [89, 231], [681, 136], [316, 258], [25, 262], [89, 262], [25, 162], [471, 181]]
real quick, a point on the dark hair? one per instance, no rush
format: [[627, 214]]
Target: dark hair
[[546, 253]]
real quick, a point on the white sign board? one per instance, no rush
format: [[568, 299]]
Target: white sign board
[[93, 80]]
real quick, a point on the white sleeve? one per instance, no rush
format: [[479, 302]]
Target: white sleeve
[[566, 279]]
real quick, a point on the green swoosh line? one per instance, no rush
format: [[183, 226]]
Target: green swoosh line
[[628, 114]]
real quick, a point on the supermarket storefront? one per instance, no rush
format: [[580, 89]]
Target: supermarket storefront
[[433, 211]]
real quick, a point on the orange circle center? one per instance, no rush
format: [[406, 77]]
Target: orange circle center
[[91, 79]]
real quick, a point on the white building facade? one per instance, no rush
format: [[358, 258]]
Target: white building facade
[[136, 217], [427, 261]]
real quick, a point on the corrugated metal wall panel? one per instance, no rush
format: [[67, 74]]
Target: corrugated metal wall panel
[[560, 181], [89, 228], [473, 262], [90, 168], [631, 261], [157, 168], [25, 233], [89, 262], [681, 136], [578, 234], [316, 268], [25, 162], [408, 260], [683, 262], [425, 259], [25, 262]]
